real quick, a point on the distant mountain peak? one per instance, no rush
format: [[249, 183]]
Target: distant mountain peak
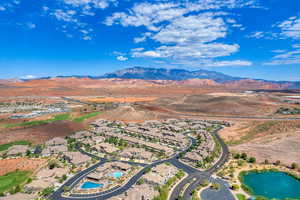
[[168, 74]]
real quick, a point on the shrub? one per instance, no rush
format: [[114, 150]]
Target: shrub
[[235, 187], [252, 160], [215, 186], [241, 197], [237, 156], [294, 166], [244, 156]]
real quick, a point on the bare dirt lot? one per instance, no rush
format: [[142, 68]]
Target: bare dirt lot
[[40, 134], [26, 164]]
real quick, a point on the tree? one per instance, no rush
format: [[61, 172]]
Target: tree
[[244, 156], [277, 162], [18, 189], [266, 161], [66, 189], [235, 187], [237, 156], [294, 166], [205, 183], [252, 160], [215, 186]]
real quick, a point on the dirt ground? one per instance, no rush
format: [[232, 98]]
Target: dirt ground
[[121, 99], [42, 133], [272, 140], [131, 114], [26, 164]]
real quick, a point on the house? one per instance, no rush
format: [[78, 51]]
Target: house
[[49, 150], [98, 139], [136, 153], [154, 178], [81, 134], [192, 157], [121, 166], [57, 141], [165, 170], [76, 158], [138, 192], [106, 148], [17, 150]]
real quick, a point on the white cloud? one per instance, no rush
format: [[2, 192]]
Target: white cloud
[[191, 51], [29, 77], [31, 25], [122, 58], [229, 63], [143, 38], [2, 8], [147, 14], [257, 35], [278, 51], [185, 30], [151, 15], [88, 4], [195, 28], [285, 58], [291, 27]]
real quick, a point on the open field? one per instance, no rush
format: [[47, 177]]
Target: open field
[[41, 133], [21, 164], [272, 140], [121, 99]]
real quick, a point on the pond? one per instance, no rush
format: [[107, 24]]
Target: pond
[[272, 184], [91, 185]]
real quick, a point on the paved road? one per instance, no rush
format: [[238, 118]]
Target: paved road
[[222, 194], [57, 195], [195, 178]]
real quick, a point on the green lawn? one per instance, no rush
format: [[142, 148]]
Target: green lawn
[[4, 147], [11, 180], [60, 117], [84, 117], [40, 122], [241, 197]]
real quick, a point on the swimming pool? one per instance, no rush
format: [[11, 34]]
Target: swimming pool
[[116, 174], [91, 185]]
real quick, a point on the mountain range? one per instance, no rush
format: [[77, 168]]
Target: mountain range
[[180, 75]]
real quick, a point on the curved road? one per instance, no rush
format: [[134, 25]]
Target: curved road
[[57, 195], [195, 178], [194, 175]]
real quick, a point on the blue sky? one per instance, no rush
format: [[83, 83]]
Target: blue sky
[[247, 38]]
